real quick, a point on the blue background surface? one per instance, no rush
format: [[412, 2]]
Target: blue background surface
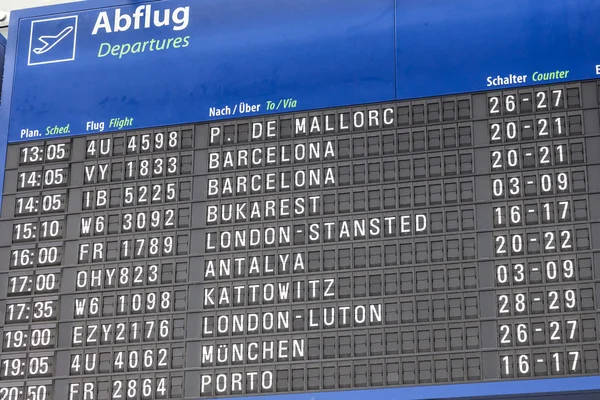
[[452, 46], [321, 54], [235, 54], [2, 55]]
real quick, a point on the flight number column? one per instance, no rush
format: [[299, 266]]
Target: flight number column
[[544, 162], [33, 229], [123, 313]]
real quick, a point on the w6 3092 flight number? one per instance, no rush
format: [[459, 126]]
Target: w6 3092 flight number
[[138, 220]]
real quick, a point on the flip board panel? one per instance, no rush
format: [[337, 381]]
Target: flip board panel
[[350, 199]]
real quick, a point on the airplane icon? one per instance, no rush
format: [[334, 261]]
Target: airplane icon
[[51, 41]]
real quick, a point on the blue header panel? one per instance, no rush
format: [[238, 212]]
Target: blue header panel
[[120, 69], [460, 46], [171, 62]]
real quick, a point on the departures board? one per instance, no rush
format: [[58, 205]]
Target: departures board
[[352, 199]]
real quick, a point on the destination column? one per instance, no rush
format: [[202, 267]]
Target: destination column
[[245, 206], [332, 242]]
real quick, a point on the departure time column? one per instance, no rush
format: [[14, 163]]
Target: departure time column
[[34, 225]]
